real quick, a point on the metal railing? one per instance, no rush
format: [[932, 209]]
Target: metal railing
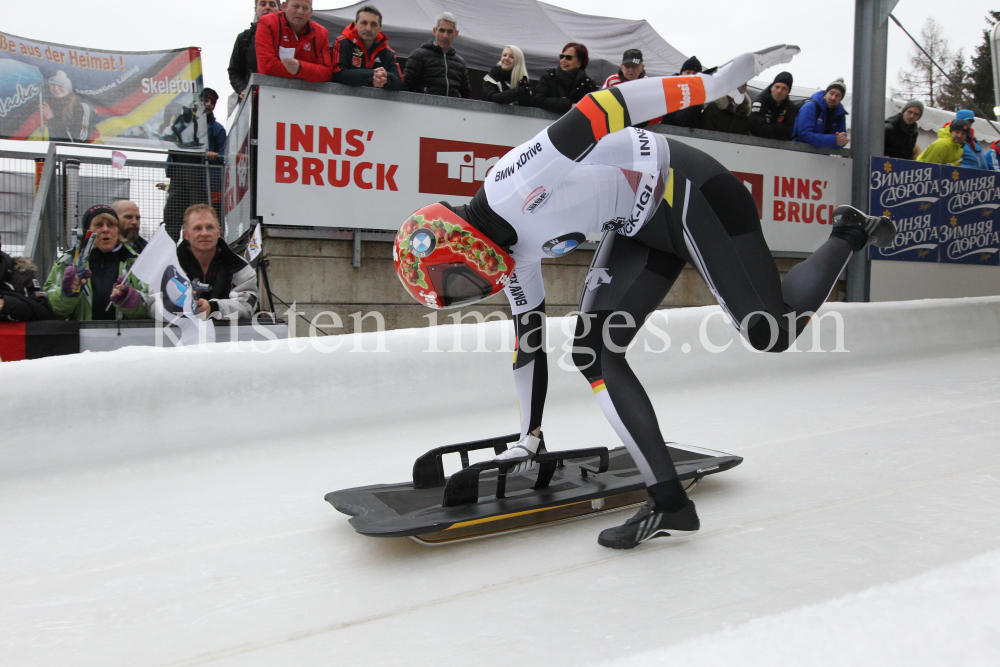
[[19, 173], [162, 184]]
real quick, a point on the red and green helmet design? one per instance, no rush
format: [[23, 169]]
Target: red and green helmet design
[[445, 262]]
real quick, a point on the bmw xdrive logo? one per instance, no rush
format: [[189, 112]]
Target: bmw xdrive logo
[[563, 245], [422, 242]]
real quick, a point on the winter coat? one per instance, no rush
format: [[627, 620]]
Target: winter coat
[[431, 71], [942, 151], [232, 282], [771, 120], [312, 49], [557, 91], [900, 138], [972, 153], [724, 115], [243, 62], [817, 125], [497, 88], [81, 306], [354, 65], [23, 299], [993, 156], [619, 78]]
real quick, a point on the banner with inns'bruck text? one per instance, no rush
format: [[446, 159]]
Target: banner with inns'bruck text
[[942, 213], [53, 92]]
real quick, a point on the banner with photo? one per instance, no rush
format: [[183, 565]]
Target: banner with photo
[[942, 213], [53, 92]]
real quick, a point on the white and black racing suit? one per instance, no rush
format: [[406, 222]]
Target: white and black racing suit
[[661, 204]]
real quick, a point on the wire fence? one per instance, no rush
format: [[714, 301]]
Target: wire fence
[[18, 177]]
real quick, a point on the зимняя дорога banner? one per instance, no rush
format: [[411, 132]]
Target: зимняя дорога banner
[[942, 213], [52, 92]]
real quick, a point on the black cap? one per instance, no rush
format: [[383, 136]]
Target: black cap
[[95, 211], [632, 56], [208, 92], [960, 124], [783, 77], [692, 63]]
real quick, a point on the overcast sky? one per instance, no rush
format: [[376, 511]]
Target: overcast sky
[[714, 30]]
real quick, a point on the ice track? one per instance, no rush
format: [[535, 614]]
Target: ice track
[[165, 507]]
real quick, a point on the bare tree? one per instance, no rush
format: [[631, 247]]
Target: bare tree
[[923, 81]]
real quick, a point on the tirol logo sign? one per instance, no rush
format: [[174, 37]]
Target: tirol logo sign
[[942, 213], [455, 167]]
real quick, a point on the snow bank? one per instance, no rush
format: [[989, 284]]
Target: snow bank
[[944, 617], [136, 401]]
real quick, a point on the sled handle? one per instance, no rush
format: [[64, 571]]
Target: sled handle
[[428, 469], [463, 487]]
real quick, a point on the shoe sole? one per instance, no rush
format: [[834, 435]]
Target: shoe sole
[[622, 544]]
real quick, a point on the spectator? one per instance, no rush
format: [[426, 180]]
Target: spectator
[[772, 115], [631, 69], [21, 297], [130, 219], [206, 258], [434, 68], [901, 132], [87, 281], [690, 117], [292, 46], [66, 116], [949, 145], [726, 115], [243, 62], [993, 156], [821, 121], [562, 87], [972, 153], [507, 81], [186, 172], [361, 54]]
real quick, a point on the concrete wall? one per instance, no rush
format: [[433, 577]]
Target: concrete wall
[[906, 281], [318, 275]]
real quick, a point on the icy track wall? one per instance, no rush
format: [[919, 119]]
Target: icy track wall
[[138, 401]]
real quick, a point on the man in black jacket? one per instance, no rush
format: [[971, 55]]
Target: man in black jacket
[[243, 62], [772, 115], [361, 54], [21, 296], [206, 258], [434, 68], [901, 132]]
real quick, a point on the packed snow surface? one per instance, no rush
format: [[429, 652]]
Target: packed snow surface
[[165, 507]]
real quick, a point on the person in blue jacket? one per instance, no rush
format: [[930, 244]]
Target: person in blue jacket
[[821, 120], [972, 153]]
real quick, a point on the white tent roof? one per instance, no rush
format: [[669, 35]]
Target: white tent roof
[[538, 29]]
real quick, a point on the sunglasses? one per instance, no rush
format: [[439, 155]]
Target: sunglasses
[[566, 56]]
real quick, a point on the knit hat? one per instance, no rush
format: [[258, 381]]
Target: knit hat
[[914, 103], [208, 92], [95, 211], [692, 63], [785, 78], [839, 85], [960, 124], [965, 114], [60, 79]]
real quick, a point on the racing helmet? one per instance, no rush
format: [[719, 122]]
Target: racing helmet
[[445, 262]]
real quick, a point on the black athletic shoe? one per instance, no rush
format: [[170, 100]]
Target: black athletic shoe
[[880, 230], [650, 522]]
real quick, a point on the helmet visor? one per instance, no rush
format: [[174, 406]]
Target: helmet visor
[[456, 284]]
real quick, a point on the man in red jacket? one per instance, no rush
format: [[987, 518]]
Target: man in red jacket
[[290, 45]]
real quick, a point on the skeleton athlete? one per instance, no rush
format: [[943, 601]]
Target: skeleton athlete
[[661, 205]]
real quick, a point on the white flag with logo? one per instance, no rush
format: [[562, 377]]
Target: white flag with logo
[[175, 298], [256, 244]]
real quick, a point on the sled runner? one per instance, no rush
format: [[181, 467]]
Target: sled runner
[[482, 499]]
